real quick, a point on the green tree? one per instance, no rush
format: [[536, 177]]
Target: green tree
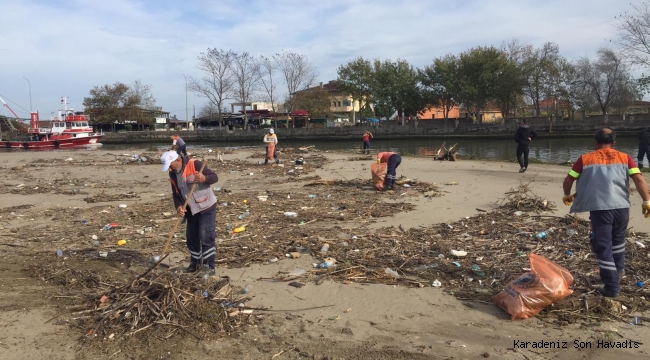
[[355, 79], [106, 102], [315, 101], [440, 83], [479, 74]]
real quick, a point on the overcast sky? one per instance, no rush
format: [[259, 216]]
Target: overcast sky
[[65, 47]]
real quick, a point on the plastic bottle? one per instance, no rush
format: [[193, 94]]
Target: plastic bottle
[[391, 272], [239, 229], [290, 214], [312, 196], [328, 263], [247, 289], [244, 215], [324, 249], [59, 252], [540, 235]]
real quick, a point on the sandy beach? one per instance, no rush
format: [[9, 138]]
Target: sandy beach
[[60, 199]]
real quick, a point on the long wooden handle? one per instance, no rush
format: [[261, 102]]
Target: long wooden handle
[[187, 200]]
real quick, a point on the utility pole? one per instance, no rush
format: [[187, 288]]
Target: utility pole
[[30, 93], [186, 112]]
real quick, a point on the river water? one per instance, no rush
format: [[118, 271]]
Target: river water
[[545, 150]]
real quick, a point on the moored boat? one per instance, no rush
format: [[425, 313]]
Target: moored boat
[[66, 130]]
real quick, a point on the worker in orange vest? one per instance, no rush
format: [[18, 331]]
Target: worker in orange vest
[[178, 144], [366, 142], [393, 160]]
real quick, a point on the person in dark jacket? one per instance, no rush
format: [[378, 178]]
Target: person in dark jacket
[[523, 136], [201, 209], [644, 147]]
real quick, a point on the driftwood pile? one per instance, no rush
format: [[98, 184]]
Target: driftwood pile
[[444, 154], [496, 244], [161, 305]]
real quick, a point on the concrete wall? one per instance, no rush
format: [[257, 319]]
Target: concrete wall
[[631, 125]]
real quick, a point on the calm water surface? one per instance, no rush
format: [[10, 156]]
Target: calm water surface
[[545, 150]]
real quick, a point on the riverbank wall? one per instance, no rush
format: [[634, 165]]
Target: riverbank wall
[[389, 130]]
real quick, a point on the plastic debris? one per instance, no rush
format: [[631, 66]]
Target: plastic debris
[[391, 272], [459, 253], [436, 283]]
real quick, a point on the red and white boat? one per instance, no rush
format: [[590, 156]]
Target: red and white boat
[[66, 130]]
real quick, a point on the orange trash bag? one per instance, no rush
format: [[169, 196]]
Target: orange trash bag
[[270, 152], [546, 283], [378, 172]]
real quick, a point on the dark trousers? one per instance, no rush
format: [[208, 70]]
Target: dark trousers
[[366, 146], [608, 243], [182, 149], [201, 234], [275, 155], [391, 174], [523, 150], [644, 150]]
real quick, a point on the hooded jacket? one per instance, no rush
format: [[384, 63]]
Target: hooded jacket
[[523, 133]]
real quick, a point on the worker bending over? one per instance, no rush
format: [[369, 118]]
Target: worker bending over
[[393, 160]]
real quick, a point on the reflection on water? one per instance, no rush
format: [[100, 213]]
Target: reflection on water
[[545, 150]]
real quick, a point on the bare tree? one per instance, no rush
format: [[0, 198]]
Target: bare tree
[[607, 79], [266, 73], [218, 78], [298, 73], [634, 33], [246, 75], [540, 67], [208, 110]]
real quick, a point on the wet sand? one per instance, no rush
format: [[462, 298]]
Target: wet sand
[[390, 322]]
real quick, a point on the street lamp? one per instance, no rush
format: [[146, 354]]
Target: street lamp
[[186, 113], [30, 93]]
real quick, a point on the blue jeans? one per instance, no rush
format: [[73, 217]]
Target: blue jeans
[[608, 243]]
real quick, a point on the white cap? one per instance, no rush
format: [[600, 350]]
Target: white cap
[[271, 131], [167, 158]]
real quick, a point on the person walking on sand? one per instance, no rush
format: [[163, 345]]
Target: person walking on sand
[[523, 137], [200, 212], [271, 141], [366, 142], [179, 145], [393, 160], [602, 189], [644, 147]]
